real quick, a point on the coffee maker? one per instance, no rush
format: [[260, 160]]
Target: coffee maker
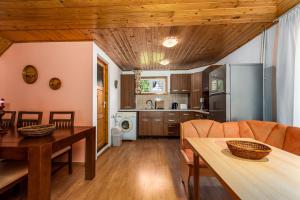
[[174, 106]]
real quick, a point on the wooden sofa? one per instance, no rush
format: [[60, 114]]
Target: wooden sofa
[[278, 135]]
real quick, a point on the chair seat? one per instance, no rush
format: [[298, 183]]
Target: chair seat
[[11, 171], [62, 151]]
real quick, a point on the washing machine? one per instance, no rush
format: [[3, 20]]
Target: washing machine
[[127, 122]]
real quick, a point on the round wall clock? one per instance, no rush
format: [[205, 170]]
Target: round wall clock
[[30, 74], [54, 83]]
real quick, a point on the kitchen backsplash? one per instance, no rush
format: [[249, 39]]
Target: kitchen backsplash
[[168, 100]]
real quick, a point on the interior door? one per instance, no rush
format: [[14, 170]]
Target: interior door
[[102, 107]]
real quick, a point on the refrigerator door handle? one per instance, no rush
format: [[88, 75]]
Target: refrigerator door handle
[[216, 93]]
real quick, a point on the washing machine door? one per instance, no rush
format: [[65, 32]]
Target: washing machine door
[[126, 124]]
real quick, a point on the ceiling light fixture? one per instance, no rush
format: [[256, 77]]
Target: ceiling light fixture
[[164, 62], [170, 42]]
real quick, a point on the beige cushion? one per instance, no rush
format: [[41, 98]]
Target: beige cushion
[[61, 152], [11, 171]]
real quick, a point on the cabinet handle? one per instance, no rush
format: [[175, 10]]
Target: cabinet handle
[[171, 120], [184, 90], [171, 113], [175, 90], [186, 114]]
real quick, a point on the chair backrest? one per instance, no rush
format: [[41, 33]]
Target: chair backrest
[[22, 121], [8, 119], [62, 122]]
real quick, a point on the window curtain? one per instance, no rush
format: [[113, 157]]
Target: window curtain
[[287, 67]]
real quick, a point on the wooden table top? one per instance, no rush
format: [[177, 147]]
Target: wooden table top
[[275, 177], [13, 139]]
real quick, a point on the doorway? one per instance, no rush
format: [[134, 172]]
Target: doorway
[[102, 104]]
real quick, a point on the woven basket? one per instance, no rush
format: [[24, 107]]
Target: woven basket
[[248, 150], [37, 130]]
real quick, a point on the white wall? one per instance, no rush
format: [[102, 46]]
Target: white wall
[[114, 93], [248, 53]]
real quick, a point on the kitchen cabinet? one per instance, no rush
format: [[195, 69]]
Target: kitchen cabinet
[[172, 123], [186, 116], [180, 83], [164, 123], [196, 90], [128, 91], [151, 123]]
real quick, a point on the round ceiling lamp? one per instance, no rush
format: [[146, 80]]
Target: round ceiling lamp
[[164, 62], [170, 42]]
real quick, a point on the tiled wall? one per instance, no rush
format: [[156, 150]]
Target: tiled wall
[[168, 100]]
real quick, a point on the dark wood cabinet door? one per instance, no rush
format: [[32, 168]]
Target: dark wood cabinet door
[[157, 126], [145, 124], [151, 123], [195, 100], [186, 116], [127, 91], [196, 90], [185, 85], [175, 83], [196, 82], [180, 83]]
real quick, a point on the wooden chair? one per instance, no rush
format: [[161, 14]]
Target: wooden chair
[[63, 123], [22, 122], [9, 122]]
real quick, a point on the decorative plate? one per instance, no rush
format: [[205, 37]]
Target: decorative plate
[[30, 74], [54, 83]]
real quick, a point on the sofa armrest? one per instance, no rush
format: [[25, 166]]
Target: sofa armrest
[[185, 157]]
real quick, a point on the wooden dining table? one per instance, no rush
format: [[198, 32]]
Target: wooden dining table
[[38, 152], [273, 177]]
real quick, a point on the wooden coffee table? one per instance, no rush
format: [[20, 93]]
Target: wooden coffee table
[[275, 177], [38, 152]]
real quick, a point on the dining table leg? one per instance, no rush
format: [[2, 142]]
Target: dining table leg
[[196, 176], [39, 172], [90, 154]]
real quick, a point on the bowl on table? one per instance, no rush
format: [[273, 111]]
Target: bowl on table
[[37, 130], [248, 150]]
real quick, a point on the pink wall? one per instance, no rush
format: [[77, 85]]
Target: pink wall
[[69, 61]]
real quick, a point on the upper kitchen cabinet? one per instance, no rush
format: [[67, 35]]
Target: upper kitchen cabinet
[[128, 91], [180, 83], [196, 82], [196, 90]]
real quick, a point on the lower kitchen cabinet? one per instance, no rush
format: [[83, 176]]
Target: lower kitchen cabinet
[[186, 116], [159, 123], [151, 123]]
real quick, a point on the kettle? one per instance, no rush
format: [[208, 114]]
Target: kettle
[[174, 105]]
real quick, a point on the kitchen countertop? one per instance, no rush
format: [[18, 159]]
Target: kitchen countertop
[[163, 110]]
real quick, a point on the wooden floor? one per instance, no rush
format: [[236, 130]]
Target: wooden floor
[[140, 170]]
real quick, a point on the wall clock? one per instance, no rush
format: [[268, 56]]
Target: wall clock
[[54, 83], [30, 74]]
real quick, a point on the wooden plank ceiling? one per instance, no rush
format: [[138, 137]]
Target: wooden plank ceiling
[[132, 31]]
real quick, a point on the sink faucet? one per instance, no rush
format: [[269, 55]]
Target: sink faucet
[[151, 103]]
